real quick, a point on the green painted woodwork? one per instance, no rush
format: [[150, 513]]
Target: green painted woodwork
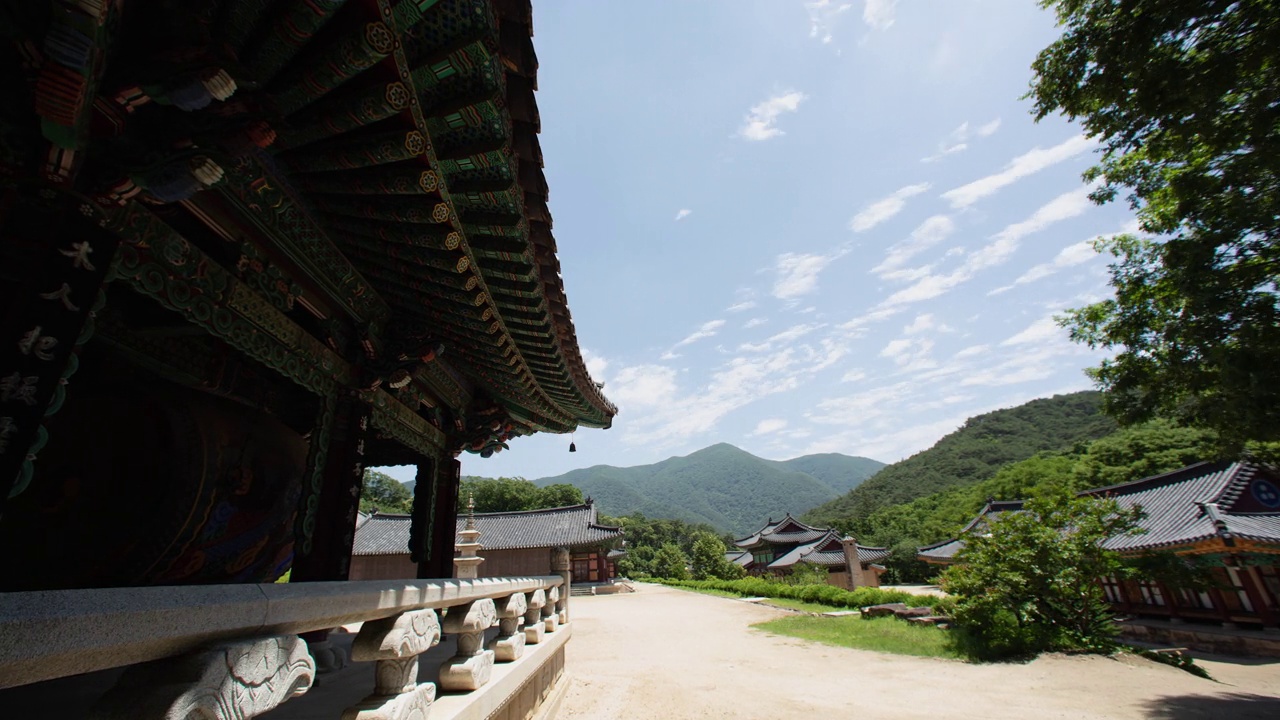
[[298, 22], [161, 264], [356, 52]]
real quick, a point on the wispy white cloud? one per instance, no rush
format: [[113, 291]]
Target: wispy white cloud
[[1038, 332], [683, 213], [1070, 256], [857, 327], [644, 386], [708, 329], [1024, 165], [853, 375], [740, 306], [754, 322], [596, 364], [761, 123], [769, 426], [1003, 244], [823, 15], [927, 234], [958, 140], [909, 353], [797, 273], [787, 336], [972, 351], [669, 355], [885, 208], [879, 14], [924, 323]]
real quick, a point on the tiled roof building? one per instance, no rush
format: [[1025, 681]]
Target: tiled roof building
[[778, 547], [1225, 512], [514, 543]]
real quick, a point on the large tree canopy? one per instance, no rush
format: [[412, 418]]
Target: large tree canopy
[[511, 494], [1184, 96]]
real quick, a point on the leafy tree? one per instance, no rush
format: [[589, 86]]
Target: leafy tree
[[1032, 584], [807, 574], [638, 562], [670, 562], [1182, 96], [514, 494], [706, 556], [384, 494], [1141, 451], [559, 495]]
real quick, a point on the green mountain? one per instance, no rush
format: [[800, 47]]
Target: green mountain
[[723, 486], [841, 473], [983, 445]]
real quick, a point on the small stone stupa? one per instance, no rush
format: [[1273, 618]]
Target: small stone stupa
[[466, 566]]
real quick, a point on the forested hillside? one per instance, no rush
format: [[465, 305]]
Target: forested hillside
[[722, 485], [841, 473], [973, 453]]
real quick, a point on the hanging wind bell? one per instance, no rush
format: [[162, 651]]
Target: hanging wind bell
[[572, 447]]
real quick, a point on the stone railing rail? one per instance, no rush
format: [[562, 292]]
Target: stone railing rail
[[238, 645]]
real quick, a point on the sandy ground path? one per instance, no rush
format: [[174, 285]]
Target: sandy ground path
[[666, 653]]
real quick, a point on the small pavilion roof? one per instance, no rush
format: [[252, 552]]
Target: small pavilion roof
[[570, 526], [828, 551], [787, 531], [740, 557]]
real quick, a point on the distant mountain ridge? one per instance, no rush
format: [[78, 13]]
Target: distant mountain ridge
[[973, 453], [721, 485]]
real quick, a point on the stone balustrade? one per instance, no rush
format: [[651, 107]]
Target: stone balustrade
[[234, 651]]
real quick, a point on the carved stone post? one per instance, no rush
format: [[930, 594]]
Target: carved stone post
[[534, 628], [395, 644], [509, 645], [560, 566], [229, 681], [471, 667], [551, 616]]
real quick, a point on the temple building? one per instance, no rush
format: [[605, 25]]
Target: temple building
[[778, 547], [513, 543], [1226, 514], [250, 248]]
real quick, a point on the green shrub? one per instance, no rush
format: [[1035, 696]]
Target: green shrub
[[824, 594]]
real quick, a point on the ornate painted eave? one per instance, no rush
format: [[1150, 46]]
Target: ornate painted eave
[[387, 152]]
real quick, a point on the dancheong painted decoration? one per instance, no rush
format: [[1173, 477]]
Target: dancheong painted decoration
[[249, 248]]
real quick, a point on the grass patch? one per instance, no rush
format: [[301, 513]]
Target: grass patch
[[884, 634], [803, 606]]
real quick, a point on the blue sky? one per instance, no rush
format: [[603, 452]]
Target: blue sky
[[806, 227]]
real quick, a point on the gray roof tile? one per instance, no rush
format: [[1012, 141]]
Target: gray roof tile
[[570, 526]]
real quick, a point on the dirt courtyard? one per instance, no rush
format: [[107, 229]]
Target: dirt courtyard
[[666, 653]]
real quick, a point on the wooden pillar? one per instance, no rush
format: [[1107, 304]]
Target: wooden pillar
[[49, 315], [444, 521], [338, 473], [425, 495]]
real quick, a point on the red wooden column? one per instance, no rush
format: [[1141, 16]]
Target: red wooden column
[[323, 550], [602, 562]]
